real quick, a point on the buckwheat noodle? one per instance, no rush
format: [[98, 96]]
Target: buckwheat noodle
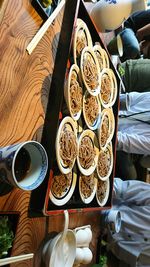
[[81, 42], [101, 189], [104, 130], [86, 152], [100, 59], [87, 185], [75, 94], [104, 162], [61, 184], [90, 71], [106, 88], [91, 109], [68, 147]]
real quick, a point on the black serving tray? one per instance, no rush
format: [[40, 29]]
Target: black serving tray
[[40, 203], [42, 11]]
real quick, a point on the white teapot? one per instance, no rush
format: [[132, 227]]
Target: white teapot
[[110, 14]]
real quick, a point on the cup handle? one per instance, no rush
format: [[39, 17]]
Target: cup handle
[[66, 214]]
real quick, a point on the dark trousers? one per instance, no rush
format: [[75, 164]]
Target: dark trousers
[[131, 48], [138, 20], [128, 166]]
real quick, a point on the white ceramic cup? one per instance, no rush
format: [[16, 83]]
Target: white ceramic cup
[[23, 165], [61, 250], [83, 255], [87, 255], [83, 237]]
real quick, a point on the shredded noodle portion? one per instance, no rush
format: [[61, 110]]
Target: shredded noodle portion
[[75, 94], [60, 184], [87, 185], [81, 42], [68, 147], [100, 59], [104, 162], [101, 190], [87, 152], [104, 130], [90, 71], [106, 88], [91, 109]]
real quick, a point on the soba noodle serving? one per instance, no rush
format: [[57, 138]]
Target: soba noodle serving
[[81, 42], [87, 152], [75, 94], [101, 190], [100, 59], [68, 146], [91, 108], [61, 184], [106, 88], [104, 162], [90, 71], [104, 130], [87, 185]]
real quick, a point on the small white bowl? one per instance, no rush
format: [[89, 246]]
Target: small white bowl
[[74, 71], [93, 138], [95, 124], [103, 188], [108, 74], [88, 199], [99, 52], [109, 155], [106, 113], [89, 56], [70, 125], [66, 195], [82, 33]]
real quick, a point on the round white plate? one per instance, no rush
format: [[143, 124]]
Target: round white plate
[[88, 199], [99, 52], [81, 31], [76, 71], [69, 123], [108, 73], [111, 127], [94, 140], [107, 150], [59, 201], [102, 202], [96, 123], [87, 53]]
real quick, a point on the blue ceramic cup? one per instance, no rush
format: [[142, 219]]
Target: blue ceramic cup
[[23, 165]]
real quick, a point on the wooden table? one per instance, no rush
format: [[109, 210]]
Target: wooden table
[[24, 84]]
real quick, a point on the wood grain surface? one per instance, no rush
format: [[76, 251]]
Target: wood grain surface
[[24, 88]]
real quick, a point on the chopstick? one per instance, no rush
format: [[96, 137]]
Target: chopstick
[[16, 259], [44, 28]]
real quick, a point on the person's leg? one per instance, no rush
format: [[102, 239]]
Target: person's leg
[[136, 75], [137, 20], [131, 48]]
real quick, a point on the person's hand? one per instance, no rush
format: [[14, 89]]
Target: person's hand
[[143, 33], [145, 48]]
